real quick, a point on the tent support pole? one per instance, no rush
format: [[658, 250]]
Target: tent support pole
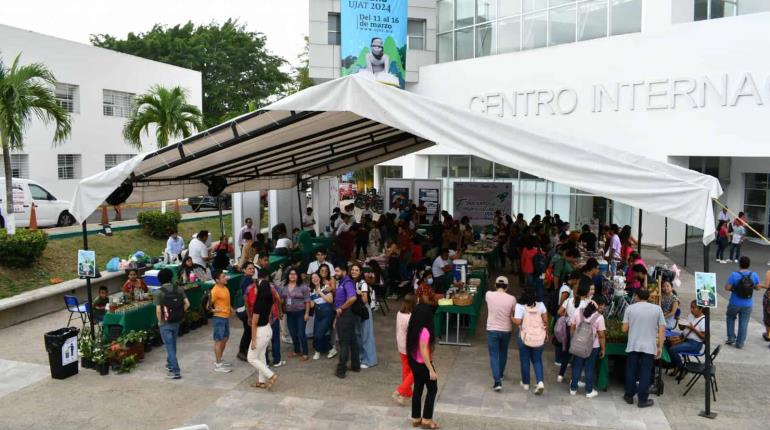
[[221, 220], [665, 234], [685, 245], [88, 286], [706, 412], [639, 235], [299, 201]]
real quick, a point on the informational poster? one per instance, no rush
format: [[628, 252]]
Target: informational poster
[[398, 197], [429, 196], [86, 263], [706, 289], [69, 351], [479, 200], [374, 34]]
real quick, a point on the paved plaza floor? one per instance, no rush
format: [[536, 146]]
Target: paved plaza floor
[[309, 396]]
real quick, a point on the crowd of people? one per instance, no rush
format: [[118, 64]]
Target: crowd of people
[[560, 301]]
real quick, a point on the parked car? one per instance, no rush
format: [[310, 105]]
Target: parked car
[[210, 202], [49, 210]]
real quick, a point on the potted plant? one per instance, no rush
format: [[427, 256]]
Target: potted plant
[[101, 362], [86, 349], [127, 363]]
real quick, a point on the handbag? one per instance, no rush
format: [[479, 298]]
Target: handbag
[[359, 309]]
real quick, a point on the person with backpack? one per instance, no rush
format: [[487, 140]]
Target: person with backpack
[[646, 327], [568, 309], [170, 305], [532, 319], [500, 308], [561, 325], [587, 332], [741, 284]]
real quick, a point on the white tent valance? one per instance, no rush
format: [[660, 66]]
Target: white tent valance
[[351, 123]]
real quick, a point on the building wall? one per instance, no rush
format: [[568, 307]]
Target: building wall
[[325, 58], [93, 70]]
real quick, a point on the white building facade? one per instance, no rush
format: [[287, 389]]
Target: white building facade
[[683, 81], [97, 87]]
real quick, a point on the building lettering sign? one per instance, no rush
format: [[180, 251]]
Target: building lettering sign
[[724, 90]]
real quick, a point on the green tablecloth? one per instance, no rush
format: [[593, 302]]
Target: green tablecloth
[[141, 318], [195, 297], [472, 310], [275, 261], [173, 267], [603, 375]]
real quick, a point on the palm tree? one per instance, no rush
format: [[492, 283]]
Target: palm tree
[[26, 91], [168, 110]]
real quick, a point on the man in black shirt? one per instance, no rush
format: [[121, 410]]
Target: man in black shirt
[[588, 237]]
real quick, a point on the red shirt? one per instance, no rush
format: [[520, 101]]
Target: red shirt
[[527, 265], [416, 253]]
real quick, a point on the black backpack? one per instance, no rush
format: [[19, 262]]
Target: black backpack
[[539, 264], [172, 306], [745, 286]]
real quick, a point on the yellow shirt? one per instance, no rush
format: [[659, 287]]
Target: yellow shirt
[[220, 299]]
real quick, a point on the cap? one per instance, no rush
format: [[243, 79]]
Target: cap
[[501, 280]]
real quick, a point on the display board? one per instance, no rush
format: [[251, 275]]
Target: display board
[[479, 200], [414, 190], [373, 41], [706, 289]]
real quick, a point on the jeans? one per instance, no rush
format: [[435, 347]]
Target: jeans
[[539, 289], [743, 313], [365, 333], [639, 368], [688, 345], [735, 251], [348, 342], [296, 322], [497, 342], [169, 332], [275, 342], [324, 314], [256, 357], [587, 366], [407, 378], [527, 354], [721, 245], [421, 381], [243, 347]]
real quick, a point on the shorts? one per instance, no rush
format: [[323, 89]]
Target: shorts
[[221, 328]]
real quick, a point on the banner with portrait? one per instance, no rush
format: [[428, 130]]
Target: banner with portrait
[[374, 34], [479, 200]]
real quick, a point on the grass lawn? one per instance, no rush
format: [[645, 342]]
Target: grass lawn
[[59, 258]]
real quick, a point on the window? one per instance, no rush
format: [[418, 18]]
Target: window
[[38, 193], [561, 25], [67, 96], [464, 13], [333, 29], [755, 201], [69, 166], [392, 172], [626, 16], [592, 20], [117, 103], [509, 37], [112, 160], [437, 166], [713, 9], [445, 48], [508, 8], [416, 31], [459, 166], [446, 15], [485, 40], [534, 31], [480, 168], [505, 172], [19, 166], [486, 10]]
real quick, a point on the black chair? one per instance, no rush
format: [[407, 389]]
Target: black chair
[[698, 369], [380, 299]]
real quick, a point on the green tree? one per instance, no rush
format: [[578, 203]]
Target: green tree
[[302, 73], [235, 65], [168, 110], [26, 91]]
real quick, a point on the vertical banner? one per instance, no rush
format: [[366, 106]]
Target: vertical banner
[[374, 39], [429, 196], [479, 200]]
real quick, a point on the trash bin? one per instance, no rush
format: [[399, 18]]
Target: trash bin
[[62, 347]]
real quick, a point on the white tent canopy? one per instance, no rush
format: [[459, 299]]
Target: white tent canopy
[[351, 123]]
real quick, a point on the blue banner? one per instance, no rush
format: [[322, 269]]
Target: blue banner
[[374, 39]]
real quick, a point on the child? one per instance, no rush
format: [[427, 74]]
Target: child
[[100, 304], [404, 391], [134, 283]]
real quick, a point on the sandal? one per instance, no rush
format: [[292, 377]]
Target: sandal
[[430, 425], [271, 381], [416, 422], [261, 385]]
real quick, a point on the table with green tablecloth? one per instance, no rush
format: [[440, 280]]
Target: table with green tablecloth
[[441, 322], [140, 317], [491, 257], [603, 374], [174, 268]]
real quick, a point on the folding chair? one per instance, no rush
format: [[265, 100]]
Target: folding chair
[[699, 369], [75, 307]]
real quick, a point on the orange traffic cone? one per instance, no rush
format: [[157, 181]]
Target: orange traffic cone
[[32, 218], [105, 217], [176, 205]]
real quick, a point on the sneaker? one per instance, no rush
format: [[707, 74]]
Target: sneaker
[[557, 364], [524, 386], [339, 375], [718, 260], [172, 375], [729, 342], [332, 353], [540, 388], [168, 367], [280, 363], [592, 394], [221, 369], [572, 392], [646, 404], [735, 261], [723, 261], [498, 387], [226, 364], [364, 366], [559, 378], [581, 384], [316, 356], [629, 399]]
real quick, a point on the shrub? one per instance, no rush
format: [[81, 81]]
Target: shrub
[[157, 224], [23, 248]]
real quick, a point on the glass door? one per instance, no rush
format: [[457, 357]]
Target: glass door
[[755, 202]]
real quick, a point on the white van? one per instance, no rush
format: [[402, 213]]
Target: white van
[[49, 210]]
